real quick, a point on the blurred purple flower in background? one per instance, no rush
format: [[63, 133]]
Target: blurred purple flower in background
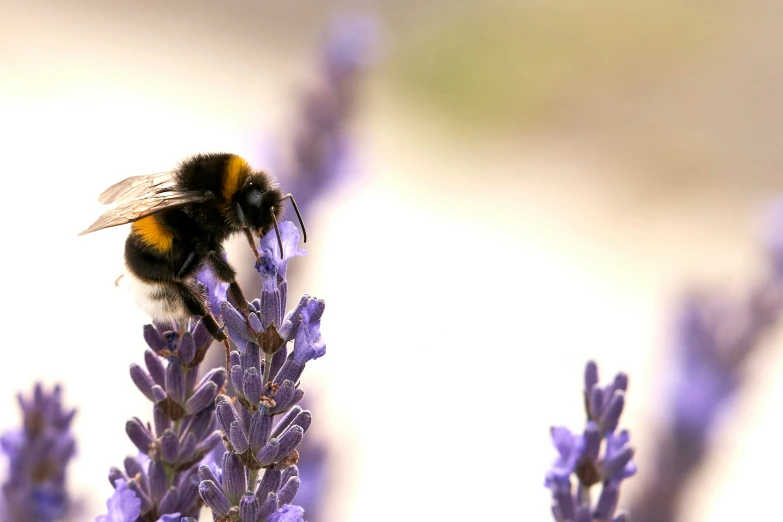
[[38, 456], [320, 149], [580, 456], [714, 338]]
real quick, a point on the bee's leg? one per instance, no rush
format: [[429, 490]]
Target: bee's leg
[[226, 273], [195, 305], [187, 265]]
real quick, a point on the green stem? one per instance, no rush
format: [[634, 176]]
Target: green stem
[[170, 473], [584, 495], [252, 478], [267, 368]]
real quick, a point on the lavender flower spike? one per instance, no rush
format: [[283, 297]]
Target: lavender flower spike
[[164, 480], [714, 339], [274, 289], [580, 456], [321, 147], [38, 455], [265, 376]]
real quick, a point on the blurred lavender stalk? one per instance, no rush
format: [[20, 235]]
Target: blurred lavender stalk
[[580, 456], [714, 338], [38, 455], [320, 147]]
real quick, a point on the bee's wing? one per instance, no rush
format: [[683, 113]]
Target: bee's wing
[[137, 187], [135, 209]]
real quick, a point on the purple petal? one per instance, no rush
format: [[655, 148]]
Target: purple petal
[[287, 513], [123, 505], [290, 238]]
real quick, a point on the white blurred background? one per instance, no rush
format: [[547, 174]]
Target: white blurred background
[[534, 185]]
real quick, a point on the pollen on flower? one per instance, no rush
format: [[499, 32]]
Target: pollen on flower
[[292, 458]]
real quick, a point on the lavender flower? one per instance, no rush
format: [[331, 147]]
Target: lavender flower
[[164, 478], [320, 144], [579, 454], [215, 290], [714, 337], [265, 375], [38, 455], [713, 340]]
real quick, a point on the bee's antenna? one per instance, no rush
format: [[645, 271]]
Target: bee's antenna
[[296, 209], [277, 231]]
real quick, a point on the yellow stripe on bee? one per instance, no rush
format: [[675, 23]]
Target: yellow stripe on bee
[[236, 170], [153, 233]]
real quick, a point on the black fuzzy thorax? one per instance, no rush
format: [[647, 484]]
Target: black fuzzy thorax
[[207, 172], [203, 172]]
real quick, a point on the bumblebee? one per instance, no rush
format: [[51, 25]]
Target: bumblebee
[[179, 222]]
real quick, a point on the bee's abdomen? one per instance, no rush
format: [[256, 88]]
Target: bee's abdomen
[[160, 300], [153, 234], [152, 277]]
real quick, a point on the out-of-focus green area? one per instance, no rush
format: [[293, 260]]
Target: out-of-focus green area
[[518, 64]]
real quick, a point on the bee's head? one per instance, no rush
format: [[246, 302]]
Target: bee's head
[[258, 204], [259, 207]]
